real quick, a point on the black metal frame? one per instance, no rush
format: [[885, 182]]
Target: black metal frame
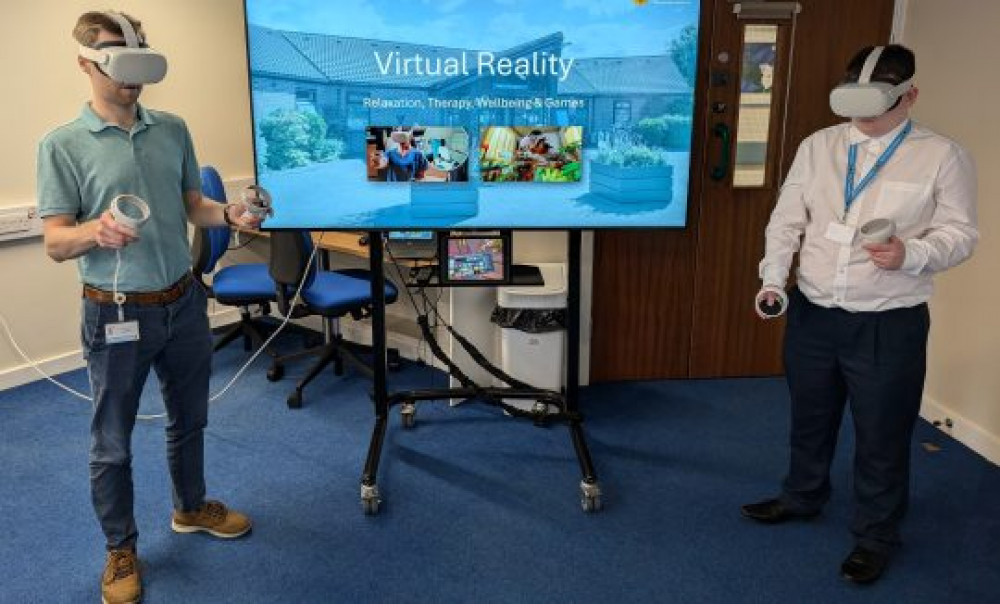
[[567, 402]]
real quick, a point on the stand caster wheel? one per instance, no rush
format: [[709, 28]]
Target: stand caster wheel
[[295, 400], [591, 504], [539, 414], [275, 373], [590, 499], [370, 500], [408, 413]]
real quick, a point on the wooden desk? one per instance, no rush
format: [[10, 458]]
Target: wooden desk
[[343, 242]]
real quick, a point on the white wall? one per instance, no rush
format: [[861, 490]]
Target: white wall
[[206, 84], [957, 50]]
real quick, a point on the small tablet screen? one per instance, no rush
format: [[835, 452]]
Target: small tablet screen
[[475, 259]]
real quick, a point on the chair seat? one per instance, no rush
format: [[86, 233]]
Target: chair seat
[[243, 283], [333, 293]]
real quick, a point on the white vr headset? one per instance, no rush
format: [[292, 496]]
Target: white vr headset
[[865, 98], [132, 64]]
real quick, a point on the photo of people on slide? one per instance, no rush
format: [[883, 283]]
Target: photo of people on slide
[[433, 154], [531, 154], [454, 114]]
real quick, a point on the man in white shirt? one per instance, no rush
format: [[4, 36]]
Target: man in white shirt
[[858, 319]]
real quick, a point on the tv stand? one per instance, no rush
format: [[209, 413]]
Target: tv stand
[[565, 402]]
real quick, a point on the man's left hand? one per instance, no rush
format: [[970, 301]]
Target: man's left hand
[[887, 256]]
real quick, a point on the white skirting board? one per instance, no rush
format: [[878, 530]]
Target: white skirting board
[[24, 374], [962, 429]]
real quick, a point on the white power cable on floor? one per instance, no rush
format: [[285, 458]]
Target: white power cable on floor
[[214, 397]]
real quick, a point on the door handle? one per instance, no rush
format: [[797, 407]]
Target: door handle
[[722, 167]]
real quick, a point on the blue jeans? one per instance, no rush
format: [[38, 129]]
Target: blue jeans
[[176, 341]]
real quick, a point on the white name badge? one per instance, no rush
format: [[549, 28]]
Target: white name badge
[[116, 333], [840, 233]]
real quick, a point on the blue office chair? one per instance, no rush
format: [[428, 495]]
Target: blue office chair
[[329, 294], [241, 285]]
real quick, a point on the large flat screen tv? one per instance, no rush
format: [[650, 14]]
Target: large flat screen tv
[[440, 114]]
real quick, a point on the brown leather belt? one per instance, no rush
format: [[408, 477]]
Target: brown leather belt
[[157, 298]]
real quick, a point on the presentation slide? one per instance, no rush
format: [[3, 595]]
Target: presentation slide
[[473, 113]]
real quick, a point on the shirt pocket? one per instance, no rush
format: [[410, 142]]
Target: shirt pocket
[[903, 202]]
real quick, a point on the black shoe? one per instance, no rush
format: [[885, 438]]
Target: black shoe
[[772, 511], [864, 566]]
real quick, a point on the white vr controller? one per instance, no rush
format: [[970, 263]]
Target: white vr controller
[[257, 201], [130, 211], [878, 231]]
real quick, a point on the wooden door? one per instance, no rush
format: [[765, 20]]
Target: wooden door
[[678, 303]]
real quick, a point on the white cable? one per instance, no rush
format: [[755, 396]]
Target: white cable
[[118, 298], [27, 359], [284, 322], [212, 398]]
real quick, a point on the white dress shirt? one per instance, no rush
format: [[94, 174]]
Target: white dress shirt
[[927, 188]]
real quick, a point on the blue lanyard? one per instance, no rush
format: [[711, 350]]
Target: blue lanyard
[[852, 191]]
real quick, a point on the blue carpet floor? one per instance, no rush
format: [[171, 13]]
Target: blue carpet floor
[[480, 507]]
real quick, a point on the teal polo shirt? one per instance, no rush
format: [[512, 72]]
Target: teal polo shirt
[[86, 163]]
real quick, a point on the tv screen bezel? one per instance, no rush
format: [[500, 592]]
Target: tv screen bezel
[[693, 186]]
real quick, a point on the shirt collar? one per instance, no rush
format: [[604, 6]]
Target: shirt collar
[[94, 122], [855, 136]]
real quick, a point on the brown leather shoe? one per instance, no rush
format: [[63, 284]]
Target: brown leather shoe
[[120, 583], [213, 518]]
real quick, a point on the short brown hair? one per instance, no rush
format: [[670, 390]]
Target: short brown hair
[[90, 24]]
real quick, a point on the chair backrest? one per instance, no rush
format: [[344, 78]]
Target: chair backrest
[[289, 263], [210, 243]]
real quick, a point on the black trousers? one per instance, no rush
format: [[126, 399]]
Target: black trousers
[[876, 361]]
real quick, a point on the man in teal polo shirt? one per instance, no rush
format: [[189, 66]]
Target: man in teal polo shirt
[[117, 147]]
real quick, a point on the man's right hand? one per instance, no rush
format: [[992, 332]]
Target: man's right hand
[[110, 234]]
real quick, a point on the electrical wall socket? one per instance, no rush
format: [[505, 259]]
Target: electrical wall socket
[[18, 222]]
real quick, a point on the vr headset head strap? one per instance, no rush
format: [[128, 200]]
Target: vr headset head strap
[[132, 39], [869, 67]]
